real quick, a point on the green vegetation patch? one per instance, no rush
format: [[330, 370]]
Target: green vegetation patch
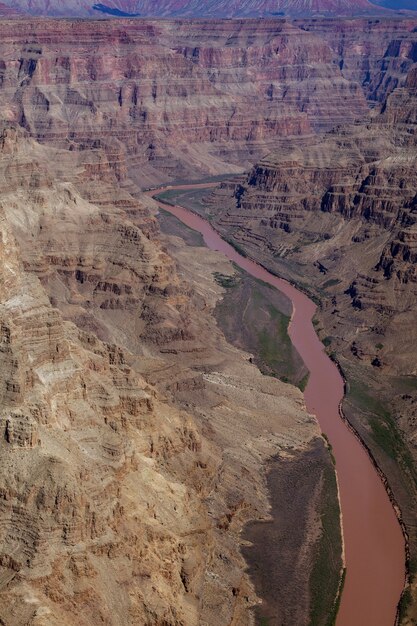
[[173, 226], [405, 604], [360, 394], [236, 246], [329, 447], [335, 610], [255, 317], [302, 384], [405, 384], [275, 347], [332, 282], [228, 282], [325, 578], [168, 197], [192, 199], [384, 430]]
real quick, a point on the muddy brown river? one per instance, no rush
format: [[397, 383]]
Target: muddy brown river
[[374, 543]]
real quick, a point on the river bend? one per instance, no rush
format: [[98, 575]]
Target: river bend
[[374, 543]]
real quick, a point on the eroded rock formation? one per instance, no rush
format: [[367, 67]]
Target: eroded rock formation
[[339, 217], [116, 503], [172, 99], [196, 8], [132, 440]]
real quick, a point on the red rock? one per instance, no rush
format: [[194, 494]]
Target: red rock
[[172, 99]]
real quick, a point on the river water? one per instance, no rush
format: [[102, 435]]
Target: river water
[[374, 543]]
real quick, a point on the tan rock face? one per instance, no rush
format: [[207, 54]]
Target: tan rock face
[[122, 491], [78, 441]]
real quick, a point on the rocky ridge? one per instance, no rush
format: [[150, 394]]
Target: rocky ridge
[[117, 499], [184, 104]]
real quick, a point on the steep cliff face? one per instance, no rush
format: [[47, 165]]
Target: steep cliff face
[[377, 53], [339, 217], [84, 467], [172, 99], [117, 500], [353, 189]]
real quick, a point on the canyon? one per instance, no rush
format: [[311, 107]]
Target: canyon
[[338, 217], [370, 525], [132, 443], [134, 447]]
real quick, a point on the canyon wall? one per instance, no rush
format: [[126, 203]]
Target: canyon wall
[[172, 100], [133, 447], [338, 217], [377, 53], [133, 444], [123, 491], [196, 8]]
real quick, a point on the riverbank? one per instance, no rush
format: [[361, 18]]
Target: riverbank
[[294, 561], [298, 580], [372, 587]]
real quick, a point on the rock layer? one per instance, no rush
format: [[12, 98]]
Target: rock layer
[[172, 99], [133, 444], [121, 493], [339, 217]]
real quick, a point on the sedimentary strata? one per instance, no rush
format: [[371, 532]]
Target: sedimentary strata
[[338, 217], [132, 442]]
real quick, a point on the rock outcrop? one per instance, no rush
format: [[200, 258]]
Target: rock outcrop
[[354, 187], [172, 99], [377, 53], [339, 217], [121, 490]]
